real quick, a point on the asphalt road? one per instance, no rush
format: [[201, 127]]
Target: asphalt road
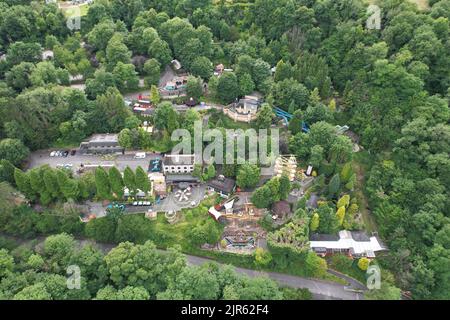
[[321, 290], [42, 157]]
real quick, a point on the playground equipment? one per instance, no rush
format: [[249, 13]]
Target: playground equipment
[[116, 205], [286, 116]]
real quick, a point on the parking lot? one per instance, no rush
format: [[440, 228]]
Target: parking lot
[[42, 157]]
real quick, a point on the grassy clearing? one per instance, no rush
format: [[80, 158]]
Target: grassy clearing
[[361, 164], [69, 10], [347, 266], [226, 121], [421, 4]]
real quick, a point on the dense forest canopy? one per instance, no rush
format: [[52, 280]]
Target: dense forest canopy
[[391, 86]]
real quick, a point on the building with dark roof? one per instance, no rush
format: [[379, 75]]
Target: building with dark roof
[[222, 185], [102, 144], [281, 209], [181, 178]]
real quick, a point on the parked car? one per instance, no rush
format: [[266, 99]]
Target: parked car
[[140, 155], [73, 152], [140, 203], [52, 154], [65, 153], [135, 203]]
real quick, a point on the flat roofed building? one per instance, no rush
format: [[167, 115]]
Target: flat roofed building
[[102, 144], [181, 178], [352, 243], [178, 163]]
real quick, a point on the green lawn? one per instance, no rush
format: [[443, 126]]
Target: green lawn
[[362, 162], [228, 123], [68, 12]]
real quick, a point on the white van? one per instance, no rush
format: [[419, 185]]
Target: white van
[[140, 155]]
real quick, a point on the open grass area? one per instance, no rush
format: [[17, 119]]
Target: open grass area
[[421, 4], [347, 266], [361, 164], [70, 10], [227, 122]]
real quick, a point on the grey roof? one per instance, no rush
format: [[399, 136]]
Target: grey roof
[[359, 236], [181, 178], [178, 159], [224, 185], [324, 237], [104, 138]]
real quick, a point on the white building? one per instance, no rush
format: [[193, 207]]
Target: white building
[[354, 244], [178, 163]]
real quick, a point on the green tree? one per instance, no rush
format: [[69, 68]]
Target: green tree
[[159, 49], [7, 171], [116, 182], [265, 116], [334, 186], [262, 197], [126, 76], [13, 150], [246, 84], [194, 87], [129, 179], [117, 51], [154, 95], [340, 214], [33, 292], [142, 181], [283, 71], [166, 118], [227, 87], [248, 175], [202, 67], [363, 263], [285, 187], [152, 71], [6, 263], [23, 183], [102, 183], [315, 222], [314, 265], [262, 257], [288, 91]]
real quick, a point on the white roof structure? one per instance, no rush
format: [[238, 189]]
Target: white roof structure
[[216, 214], [347, 242]]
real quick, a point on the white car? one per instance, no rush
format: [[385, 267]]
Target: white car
[[52, 154], [140, 155], [140, 203], [135, 203]]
